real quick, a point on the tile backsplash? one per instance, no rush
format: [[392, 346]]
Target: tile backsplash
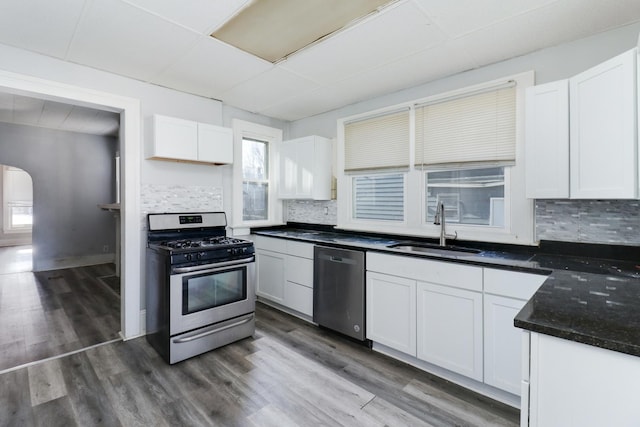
[[589, 221], [179, 198], [311, 211]]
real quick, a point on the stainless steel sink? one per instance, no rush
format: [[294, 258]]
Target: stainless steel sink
[[427, 248]]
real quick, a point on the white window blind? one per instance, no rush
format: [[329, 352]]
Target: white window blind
[[475, 128], [380, 142], [379, 197]]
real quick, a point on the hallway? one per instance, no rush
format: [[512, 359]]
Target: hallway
[[50, 313], [16, 259]]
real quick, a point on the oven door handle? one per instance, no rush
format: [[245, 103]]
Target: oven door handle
[[180, 270], [213, 331]]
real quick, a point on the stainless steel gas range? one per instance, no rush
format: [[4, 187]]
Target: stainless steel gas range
[[200, 284]]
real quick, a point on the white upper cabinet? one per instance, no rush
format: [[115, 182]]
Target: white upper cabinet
[[215, 144], [305, 168], [581, 134], [186, 140], [603, 130], [547, 141]]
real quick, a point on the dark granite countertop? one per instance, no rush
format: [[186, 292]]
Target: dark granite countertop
[[589, 296]]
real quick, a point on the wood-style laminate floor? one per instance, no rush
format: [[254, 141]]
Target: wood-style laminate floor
[[49, 313], [290, 374]]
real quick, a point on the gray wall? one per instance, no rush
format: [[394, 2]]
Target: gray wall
[[566, 220], [72, 173]]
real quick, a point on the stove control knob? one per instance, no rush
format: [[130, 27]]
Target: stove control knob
[[188, 257], [200, 255]]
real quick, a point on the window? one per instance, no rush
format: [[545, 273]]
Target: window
[[469, 196], [255, 180], [379, 197], [254, 183], [17, 200], [463, 149]]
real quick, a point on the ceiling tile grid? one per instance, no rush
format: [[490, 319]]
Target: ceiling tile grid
[[202, 16], [407, 43], [117, 37], [43, 26], [211, 68], [397, 31]]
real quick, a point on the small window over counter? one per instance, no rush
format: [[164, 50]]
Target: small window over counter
[[470, 196]]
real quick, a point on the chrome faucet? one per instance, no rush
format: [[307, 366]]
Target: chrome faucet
[[440, 220]]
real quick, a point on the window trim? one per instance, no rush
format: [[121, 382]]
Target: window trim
[[273, 136], [519, 219]]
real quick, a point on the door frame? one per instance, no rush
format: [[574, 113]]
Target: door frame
[[131, 317]]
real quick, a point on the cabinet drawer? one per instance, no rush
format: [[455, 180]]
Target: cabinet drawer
[[439, 272], [512, 284], [298, 298], [271, 244], [299, 270], [300, 249]]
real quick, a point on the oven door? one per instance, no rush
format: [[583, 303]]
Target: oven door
[[206, 294]]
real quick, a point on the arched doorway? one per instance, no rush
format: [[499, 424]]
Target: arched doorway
[[16, 187]]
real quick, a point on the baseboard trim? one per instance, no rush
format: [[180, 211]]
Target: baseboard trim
[[71, 262]]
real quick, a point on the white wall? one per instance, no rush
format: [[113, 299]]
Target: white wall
[[549, 64]]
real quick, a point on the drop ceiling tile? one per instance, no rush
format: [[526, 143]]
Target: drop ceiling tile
[[306, 104], [211, 68], [554, 24], [395, 32], [422, 67], [117, 37], [27, 110], [460, 17], [54, 114], [6, 107], [43, 26], [267, 89], [202, 16]]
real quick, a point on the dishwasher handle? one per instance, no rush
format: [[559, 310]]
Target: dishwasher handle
[[337, 259]]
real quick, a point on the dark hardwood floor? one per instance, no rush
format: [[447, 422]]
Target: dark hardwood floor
[[290, 374], [50, 313]]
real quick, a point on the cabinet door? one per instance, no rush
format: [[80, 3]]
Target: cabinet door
[[270, 267], [603, 130], [305, 162], [450, 328], [215, 144], [391, 312], [287, 187], [576, 385], [547, 141], [502, 343], [175, 138]]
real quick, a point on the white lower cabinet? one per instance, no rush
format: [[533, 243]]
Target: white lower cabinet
[[579, 385], [452, 316], [502, 343], [270, 267], [285, 273], [505, 293], [391, 311], [450, 328]]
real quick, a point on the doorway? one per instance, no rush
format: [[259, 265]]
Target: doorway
[[16, 217], [130, 140]]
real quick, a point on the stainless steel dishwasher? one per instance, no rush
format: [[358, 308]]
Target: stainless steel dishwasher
[[338, 290]]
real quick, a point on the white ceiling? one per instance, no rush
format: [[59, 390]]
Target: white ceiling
[[29, 111], [167, 42]]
